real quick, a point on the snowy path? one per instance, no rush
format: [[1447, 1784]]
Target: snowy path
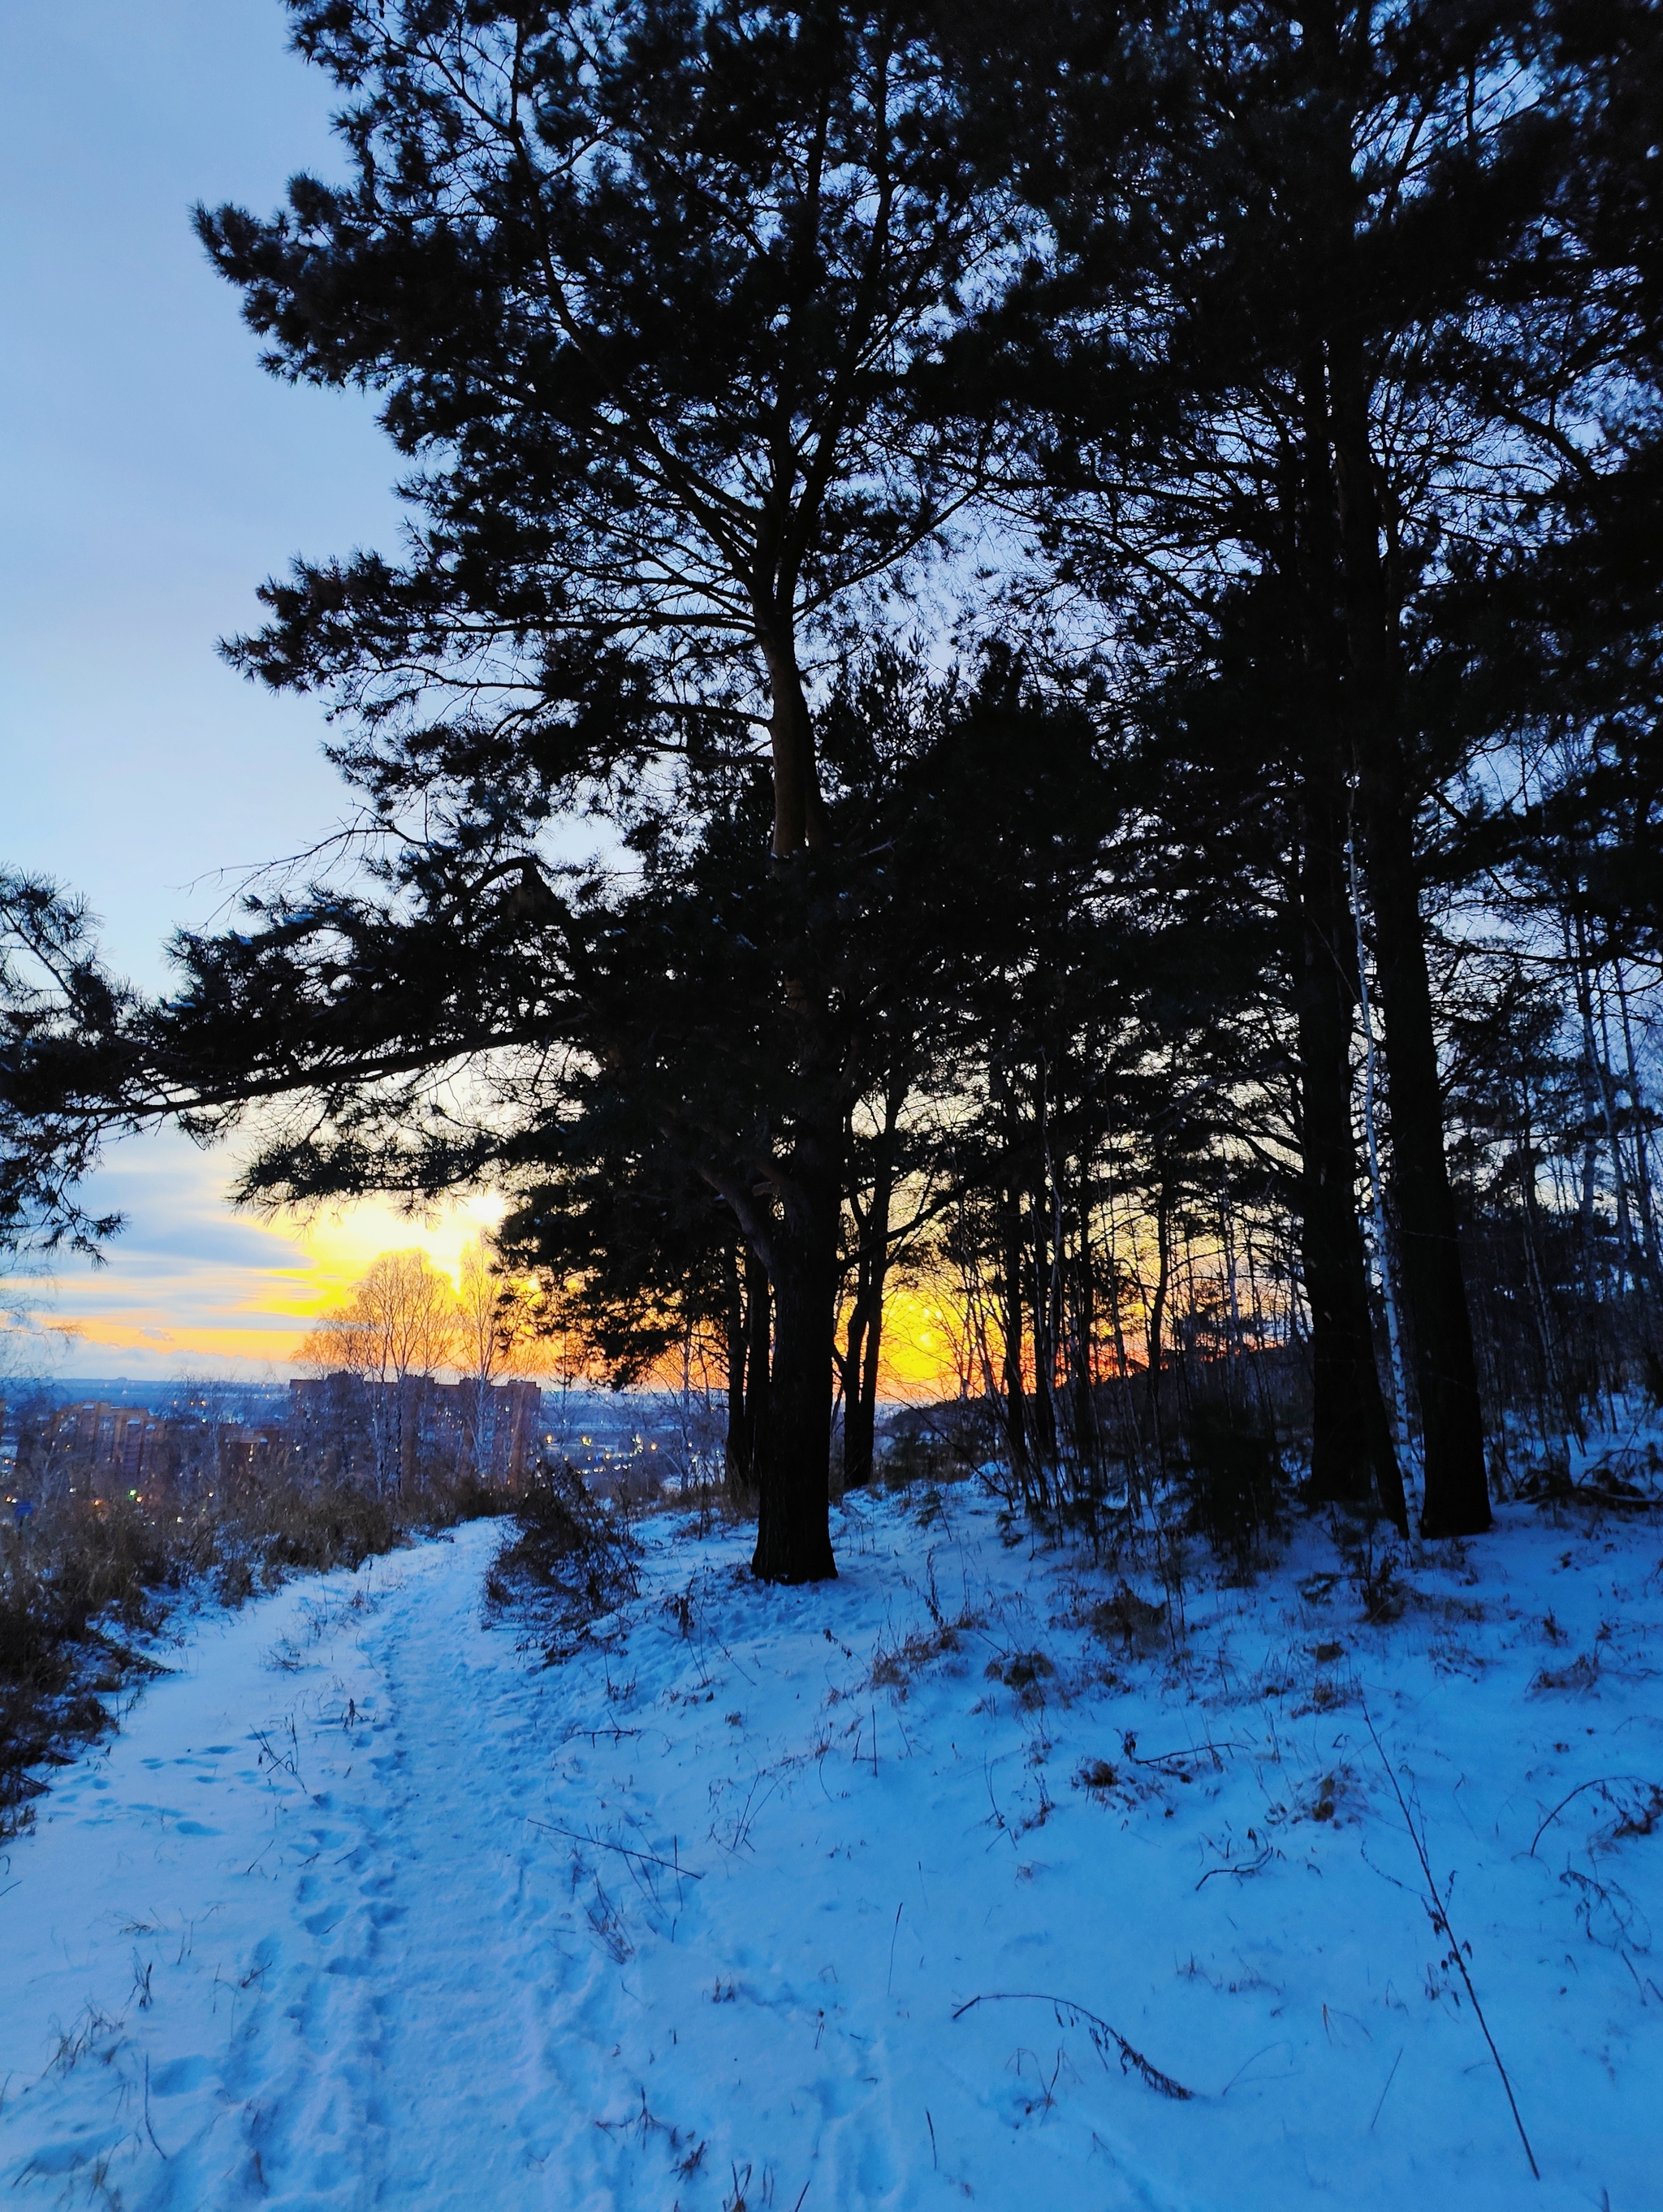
[[330, 1947], [365, 1908]]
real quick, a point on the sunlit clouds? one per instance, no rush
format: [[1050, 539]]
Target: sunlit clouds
[[192, 1283]]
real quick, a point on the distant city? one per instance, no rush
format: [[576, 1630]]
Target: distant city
[[638, 1440]]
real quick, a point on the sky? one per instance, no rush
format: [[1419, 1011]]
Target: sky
[[152, 474]]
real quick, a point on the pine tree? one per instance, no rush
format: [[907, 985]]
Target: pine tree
[[1278, 331], [641, 297]]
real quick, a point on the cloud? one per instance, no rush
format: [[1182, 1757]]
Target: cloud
[[192, 1283]]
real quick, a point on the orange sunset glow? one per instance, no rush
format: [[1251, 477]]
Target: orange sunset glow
[[194, 1285]]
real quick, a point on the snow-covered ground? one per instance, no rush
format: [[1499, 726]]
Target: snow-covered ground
[[364, 1906]]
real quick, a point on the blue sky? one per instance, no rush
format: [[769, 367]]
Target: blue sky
[[152, 474]]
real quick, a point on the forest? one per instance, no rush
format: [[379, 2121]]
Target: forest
[[1024, 666]]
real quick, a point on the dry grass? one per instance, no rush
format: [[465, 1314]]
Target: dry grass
[[84, 1575], [1129, 1620]]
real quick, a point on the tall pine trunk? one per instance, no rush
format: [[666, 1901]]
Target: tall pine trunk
[[1456, 1501], [793, 1533], [860, 1387], [1456, 1497], [1010, 1326], [866, 1322], [759, 1360], [1352, 1458], [1158, 1304], [793, 1460], [747, 1364]]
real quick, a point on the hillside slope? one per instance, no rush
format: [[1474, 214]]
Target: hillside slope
[[365, 1905]]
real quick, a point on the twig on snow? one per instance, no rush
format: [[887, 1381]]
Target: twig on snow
[[600, 1844], [1596, 1784], [1070, 2015], [1247, 1867], [148, 2129], [1438, 1913], [1281, 2043], [1390, 2078], [742, 1826], [1165, 1757]]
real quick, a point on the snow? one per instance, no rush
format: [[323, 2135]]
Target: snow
[[365, 1905]]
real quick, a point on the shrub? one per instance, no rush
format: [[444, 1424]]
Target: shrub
[[570, 1560], [1234, 1485]]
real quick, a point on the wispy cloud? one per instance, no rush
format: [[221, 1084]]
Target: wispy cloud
[[193, 1284]]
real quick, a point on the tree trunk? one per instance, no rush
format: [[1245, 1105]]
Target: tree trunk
[[868, 1370], [1457, 1494], [846, 1364], [1456, 1500], [1352, 1459], [1158, 1304], [759, 1361], [737, 1449], [799, 816], [861, 1388], [1597, 1054], [793, 1459], [1642, 1166], [1083, 1325], [793, 1533], [1043, 1416], [860, 1397], [1016, 1416], [866, 1323]]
